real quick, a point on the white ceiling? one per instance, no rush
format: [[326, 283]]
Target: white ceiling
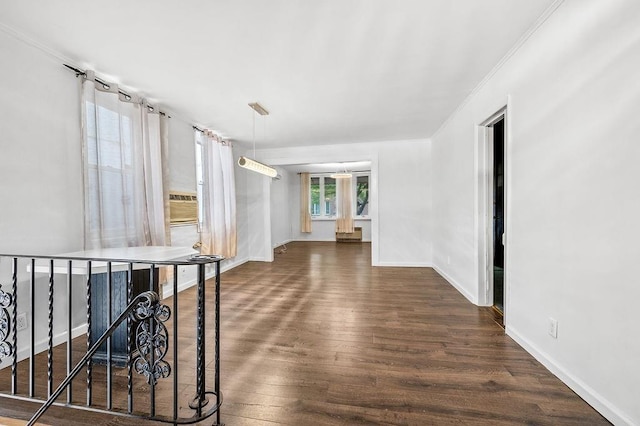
[[329, 71]]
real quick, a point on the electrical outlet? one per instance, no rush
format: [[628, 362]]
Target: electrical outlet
[[21, 321], [553, 328]]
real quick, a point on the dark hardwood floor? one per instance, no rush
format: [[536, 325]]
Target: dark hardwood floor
[[319, 337]]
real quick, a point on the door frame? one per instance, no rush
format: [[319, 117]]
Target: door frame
[[484, 208]]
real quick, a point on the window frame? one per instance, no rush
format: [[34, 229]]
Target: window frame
[[321, 197], [354, 191]]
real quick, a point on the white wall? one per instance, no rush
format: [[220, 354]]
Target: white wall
[[40, 164], [281, 225], [242, 212], [572, 203], [258, 198], [400, 206], [41, 184], [40, 174], [182, 156]]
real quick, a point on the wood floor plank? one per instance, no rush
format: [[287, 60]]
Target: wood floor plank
[[319, 337]]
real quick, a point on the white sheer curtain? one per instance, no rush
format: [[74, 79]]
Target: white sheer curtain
[[218, 233], [344, 214], [123, 176]]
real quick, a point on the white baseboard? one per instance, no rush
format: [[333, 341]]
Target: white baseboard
[[228, 266], [167, 288], [260, 259], [317, 240], [473, 299], [282, 243], [593, 398], [405, 264], [43, 344]]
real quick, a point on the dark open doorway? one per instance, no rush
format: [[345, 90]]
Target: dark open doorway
[[498, 215]]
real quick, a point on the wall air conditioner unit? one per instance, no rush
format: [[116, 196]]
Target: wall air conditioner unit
[[183, 207], [351, 237]]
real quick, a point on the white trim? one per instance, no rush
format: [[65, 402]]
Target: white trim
[[373, 211], [167, 288], [35, 44], [281, 243], [260, 259], [405, 264], [320, 240], [593, 398], [483, 194], [327, 240], [456, 285]]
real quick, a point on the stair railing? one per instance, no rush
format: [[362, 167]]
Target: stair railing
[[145, 305], [127, 289]]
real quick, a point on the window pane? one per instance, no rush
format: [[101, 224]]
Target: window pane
[[199, 184], [315, 196], [330, 196], [362, 196]]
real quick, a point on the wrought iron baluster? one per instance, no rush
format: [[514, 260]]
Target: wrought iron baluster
[[175, 342], [129, 348], [14, 363], [6, 301], [89, 365], [69, 327], [217, 344], [109, 319], [32, 349], [152, 384], [151, 347], [200, 400], [50, 333]]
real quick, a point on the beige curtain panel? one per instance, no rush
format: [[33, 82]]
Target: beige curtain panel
[[344, 219], [305, 195]]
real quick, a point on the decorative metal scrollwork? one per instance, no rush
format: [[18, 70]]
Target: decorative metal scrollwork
[[6, 349], [152, 341]]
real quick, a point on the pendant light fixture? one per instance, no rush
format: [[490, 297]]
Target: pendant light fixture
[[341, 175], [254, 165]]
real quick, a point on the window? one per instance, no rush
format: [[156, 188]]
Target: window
[[315, 196], [110, 176], [199, 183], [323, 196], [329, 196], [362, 196]]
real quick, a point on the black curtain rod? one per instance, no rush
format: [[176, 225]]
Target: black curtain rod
[[198, 129], [104, 83]]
